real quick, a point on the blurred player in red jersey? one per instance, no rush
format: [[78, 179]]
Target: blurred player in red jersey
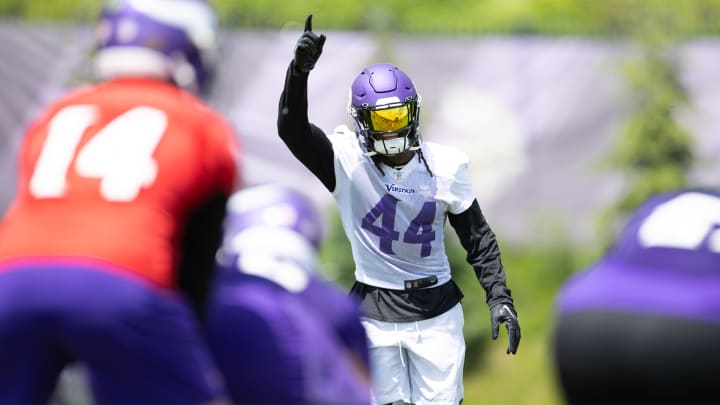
[[110, 242]]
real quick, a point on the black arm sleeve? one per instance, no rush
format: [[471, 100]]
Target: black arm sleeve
[[483, 253], [201, 239], [307, 142]]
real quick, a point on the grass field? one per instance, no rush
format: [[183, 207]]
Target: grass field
[[526, 378]]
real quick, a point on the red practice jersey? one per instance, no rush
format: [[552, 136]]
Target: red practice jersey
[[111, 173]]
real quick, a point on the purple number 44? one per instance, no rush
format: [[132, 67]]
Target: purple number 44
[[419, 231]]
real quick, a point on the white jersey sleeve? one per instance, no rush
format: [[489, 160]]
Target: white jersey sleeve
[[395, 218], [453, 175]]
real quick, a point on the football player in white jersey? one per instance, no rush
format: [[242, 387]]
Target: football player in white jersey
[[394, 194]]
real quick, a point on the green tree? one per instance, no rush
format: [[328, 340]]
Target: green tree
[[653, 152]]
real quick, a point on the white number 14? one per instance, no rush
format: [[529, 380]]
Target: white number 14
[[120, 154]]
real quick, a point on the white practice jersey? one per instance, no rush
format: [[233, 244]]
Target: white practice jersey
[[395, 223]]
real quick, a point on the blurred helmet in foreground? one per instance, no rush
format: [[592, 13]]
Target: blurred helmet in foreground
[[168, 39], [385, 107], [675, 230], [272, 221]]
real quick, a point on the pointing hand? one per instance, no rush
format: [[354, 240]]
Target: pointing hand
[[308, 48]]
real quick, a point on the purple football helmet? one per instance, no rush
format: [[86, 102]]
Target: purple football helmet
[[679, 229], [271, 220], [385, 107], [168, 39]]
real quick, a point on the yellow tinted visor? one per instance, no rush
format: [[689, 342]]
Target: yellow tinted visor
[[390, 119]]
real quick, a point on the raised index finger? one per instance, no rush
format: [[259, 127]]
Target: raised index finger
[[308, 23]]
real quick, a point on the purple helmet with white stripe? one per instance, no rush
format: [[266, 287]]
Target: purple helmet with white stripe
[[169, 39], [272, 220], [677, 230], [385, 107]]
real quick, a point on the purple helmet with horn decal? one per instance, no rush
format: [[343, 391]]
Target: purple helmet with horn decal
[[169, 39], [273, 220]]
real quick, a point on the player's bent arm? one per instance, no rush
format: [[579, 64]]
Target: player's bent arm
[[306, 141], [483, 253], [202, 231], [201, 239]]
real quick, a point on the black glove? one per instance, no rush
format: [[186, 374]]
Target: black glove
[[308, 48], [506, 313]]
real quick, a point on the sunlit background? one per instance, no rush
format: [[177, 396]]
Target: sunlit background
[[573, 111]]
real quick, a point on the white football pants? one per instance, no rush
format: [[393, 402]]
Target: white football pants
[[419, 362]]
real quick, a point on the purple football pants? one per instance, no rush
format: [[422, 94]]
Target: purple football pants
[[139, 344]]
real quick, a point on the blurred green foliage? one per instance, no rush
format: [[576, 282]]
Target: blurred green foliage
[[71, 10], [550, 17], [653, 152]]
